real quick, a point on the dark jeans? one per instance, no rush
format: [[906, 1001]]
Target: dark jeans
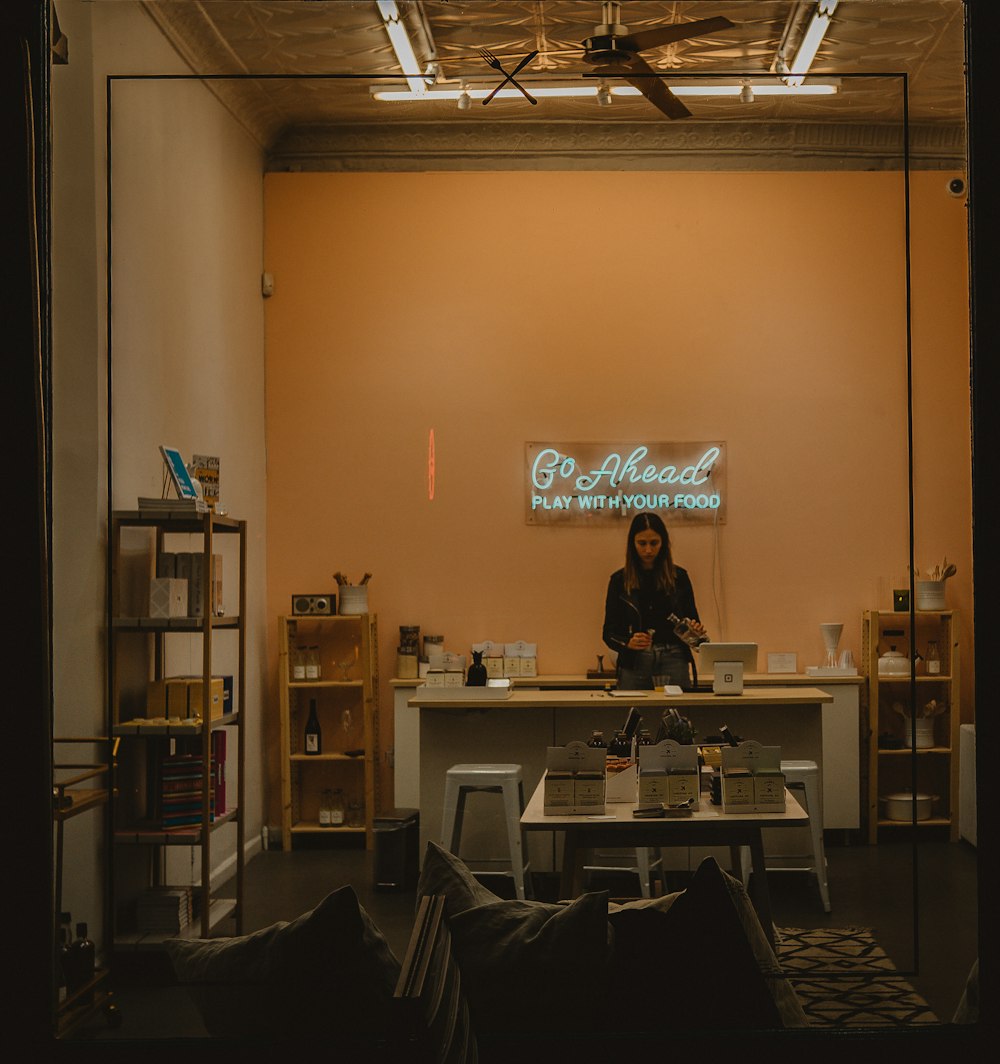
[[655, 667]]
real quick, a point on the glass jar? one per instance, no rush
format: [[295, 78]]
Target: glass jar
[[298, 664], [932, 659], [355, 813]]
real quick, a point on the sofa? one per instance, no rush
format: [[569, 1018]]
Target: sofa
[[497, 980]]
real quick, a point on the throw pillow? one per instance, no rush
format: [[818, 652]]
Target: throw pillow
[[330, 970], [527, 966], [700, 962]]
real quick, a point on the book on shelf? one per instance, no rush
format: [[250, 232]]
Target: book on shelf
[[180, 791], [163, 909]]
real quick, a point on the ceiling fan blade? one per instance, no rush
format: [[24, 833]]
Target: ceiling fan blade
[[651, 86], [677, 31]]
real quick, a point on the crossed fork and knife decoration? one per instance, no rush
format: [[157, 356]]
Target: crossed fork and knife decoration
[[491, 60]]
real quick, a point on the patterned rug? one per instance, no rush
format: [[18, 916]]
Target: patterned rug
[[844, 979]]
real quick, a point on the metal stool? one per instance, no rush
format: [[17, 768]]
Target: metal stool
[[645, 859], [497, 779], [802, 776]]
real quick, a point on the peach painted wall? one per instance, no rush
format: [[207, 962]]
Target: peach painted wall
[[766, 310]]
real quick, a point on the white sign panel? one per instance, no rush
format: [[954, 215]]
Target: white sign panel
[[588, 483]]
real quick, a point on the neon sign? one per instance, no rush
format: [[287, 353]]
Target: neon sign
[[584, 483]]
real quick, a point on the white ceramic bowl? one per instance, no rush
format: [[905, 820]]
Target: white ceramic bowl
[[901, 806]]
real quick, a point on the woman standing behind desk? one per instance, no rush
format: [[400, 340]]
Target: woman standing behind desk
[[641, 596]]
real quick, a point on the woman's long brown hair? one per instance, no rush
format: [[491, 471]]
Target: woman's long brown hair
[[666, 574]]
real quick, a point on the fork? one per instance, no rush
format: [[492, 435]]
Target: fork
[[491, 60]]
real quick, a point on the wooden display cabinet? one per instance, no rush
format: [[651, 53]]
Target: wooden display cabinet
[[892, 746], [346, 696]]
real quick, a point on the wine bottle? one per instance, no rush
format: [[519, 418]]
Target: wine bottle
[[314, 739]]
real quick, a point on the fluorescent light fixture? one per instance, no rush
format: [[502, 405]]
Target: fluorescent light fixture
[[395, 94], [811, 40], [400, 41]]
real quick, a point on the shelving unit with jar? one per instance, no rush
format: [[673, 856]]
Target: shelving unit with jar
[[328, 663], [929, 698]]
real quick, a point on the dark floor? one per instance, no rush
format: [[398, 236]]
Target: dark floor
[[870, 886]]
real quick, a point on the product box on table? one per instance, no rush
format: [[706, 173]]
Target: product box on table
[[669, 774], [752, 780], [574, 779]]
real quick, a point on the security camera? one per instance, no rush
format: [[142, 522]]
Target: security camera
[[956, 187]]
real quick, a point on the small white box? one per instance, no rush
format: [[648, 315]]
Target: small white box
[[434, 678], [511, 666], [529, 667], [728, 678], [454, 678], [168, 597]]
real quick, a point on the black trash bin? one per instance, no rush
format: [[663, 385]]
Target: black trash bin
[[397, 845]]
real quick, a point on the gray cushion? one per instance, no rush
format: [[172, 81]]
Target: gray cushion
[[328, 970], [526, 965], [700, 961]]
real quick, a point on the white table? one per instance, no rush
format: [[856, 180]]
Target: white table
[[708, 825]]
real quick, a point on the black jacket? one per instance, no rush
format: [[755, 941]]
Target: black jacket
[[634, 612]]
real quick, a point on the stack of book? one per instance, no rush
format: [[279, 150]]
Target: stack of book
[[173, 506], [163, 909], [181, 791]]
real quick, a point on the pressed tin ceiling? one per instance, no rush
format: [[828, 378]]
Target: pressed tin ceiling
[[312, 121]]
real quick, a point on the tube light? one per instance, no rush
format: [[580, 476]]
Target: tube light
[[400, 95], [811, 40], [400, 41]]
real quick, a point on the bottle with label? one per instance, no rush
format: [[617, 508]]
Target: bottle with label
[[596, 740], [682, 629], [932, 659], [313, 736], [325, 808], [620, 745], [338, 809], [80, 960], [298, 664], [312, 664]]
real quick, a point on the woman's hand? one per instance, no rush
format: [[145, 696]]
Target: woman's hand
[[640, 641], [697, 628]]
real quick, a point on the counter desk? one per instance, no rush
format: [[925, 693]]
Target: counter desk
[[519, 728]]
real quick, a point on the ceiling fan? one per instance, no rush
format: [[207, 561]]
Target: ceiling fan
[[613, 51]]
